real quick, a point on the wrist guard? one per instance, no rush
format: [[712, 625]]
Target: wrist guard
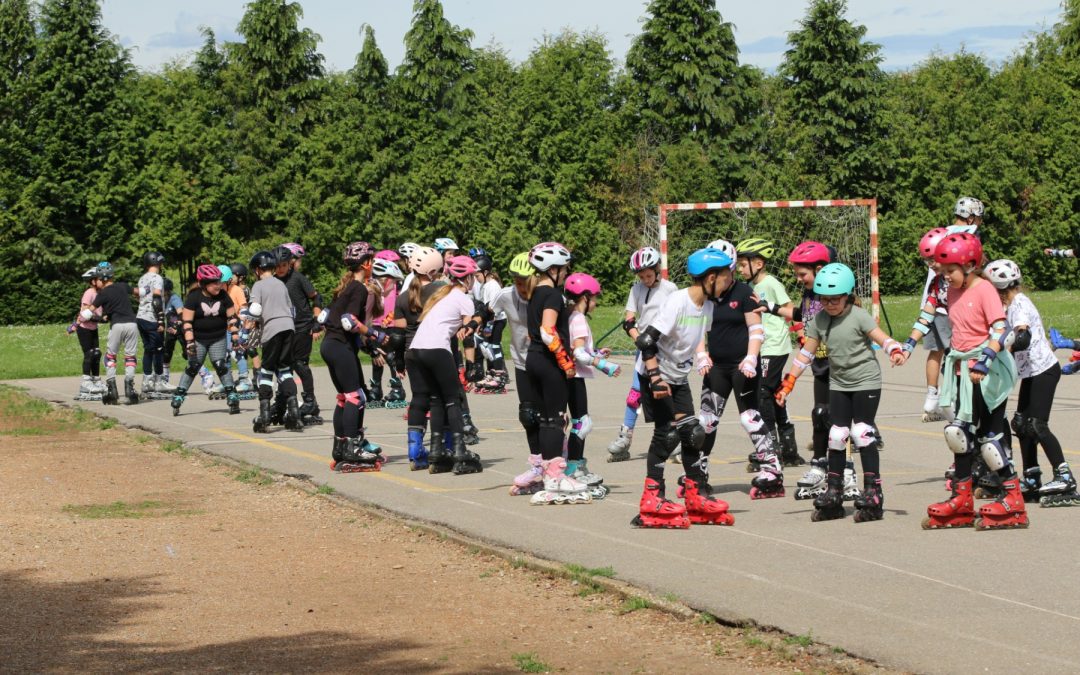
[[627, 324]]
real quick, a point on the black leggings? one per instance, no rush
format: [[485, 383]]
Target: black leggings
[[674, 426], [1036, 400], [528, 400], [301, 355], [347, 375], [153, 341], [579, 407], [549, 382], [720, 382], [847, 408], [821, 421], [498, 361], [91, 352], [987, 423], [770, 373], [433, 379]]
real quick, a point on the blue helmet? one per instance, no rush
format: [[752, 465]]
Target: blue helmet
[[834, 279], [226, 273], [705, 260]]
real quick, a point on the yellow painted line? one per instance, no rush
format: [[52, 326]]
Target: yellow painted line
[[401, 480]]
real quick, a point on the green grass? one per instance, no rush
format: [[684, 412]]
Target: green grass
[[254, 476], [531, 663], [800, 640], [633, 604], [118, 509], [325, 490]]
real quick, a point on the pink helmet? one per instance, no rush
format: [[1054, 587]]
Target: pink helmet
[[296, 249], [959, 249], [930, 240], [644, 258], [461, 266], [357, 252], [387, 254], [208, 273], [811, 253], [579, 283], [425, 261]]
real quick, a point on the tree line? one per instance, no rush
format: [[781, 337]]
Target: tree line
[[251, 143]]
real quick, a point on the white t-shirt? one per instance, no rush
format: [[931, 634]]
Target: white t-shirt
[[485, 293], [682, 325], [1038, 357], [443, 321], [645, 302], [148, 283], [508, 303], [579, 328]]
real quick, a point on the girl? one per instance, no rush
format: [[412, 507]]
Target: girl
[[848, 333], [387, 275], [114, 300], [979, 377], [550, 367], [1039, 373], [150, 319], [489, 339], [346, 335], [448, 313], [238, 293], [174, 307], [91, 388], [207, 315]]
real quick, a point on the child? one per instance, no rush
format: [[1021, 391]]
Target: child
[[271, 307], [387, 275], [114, 300], [672, 345], [489, 340], [754, 256], [933, 324], [1039, 373], [173, 307], [308, 304], [514, 302], [849, 333], [238, 293], [647, 296], [150, 319], [91, 388], [979, 377]]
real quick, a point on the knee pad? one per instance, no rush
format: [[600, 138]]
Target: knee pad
[[485, 348], [1018, 424], [528, 415], [993, 452], [838, 438], [712, 408], [221, 367], [301, 363], [110, 360], [341, 400], [581, 426], [129, 360], [752, 422], [864, 435], [1039, 428], [633, 399], [691, 432], [192, 369], [959, 438], [355, 397], [266, 376], [668, 435], [556, 422], [284, 374], [820, 419], [95, 353]]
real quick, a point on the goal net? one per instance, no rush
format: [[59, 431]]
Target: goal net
[[848, 225]]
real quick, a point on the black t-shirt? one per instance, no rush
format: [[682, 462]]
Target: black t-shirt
[[728, 335], [115, 302], [412, 319], [300, 292], [210, 322], [546, 297], [352, 300]]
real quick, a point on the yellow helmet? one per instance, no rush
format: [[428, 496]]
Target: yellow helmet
[[521, 267]]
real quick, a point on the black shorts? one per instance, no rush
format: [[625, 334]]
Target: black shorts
[[277, 352], [664, 410]]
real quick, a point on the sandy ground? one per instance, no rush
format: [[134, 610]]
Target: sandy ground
[[230, 569]]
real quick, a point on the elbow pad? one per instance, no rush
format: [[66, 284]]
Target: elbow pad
[[648, 342], [1022, 340], [629, 324], [349, 323], [86, 315], [582, 356], [998, 330], [255, 310], [159, 308]]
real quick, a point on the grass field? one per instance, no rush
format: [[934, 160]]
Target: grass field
[[48, 351]]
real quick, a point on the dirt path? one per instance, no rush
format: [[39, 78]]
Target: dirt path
[[120, 553]]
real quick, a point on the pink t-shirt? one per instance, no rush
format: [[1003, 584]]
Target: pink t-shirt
[[579, 328], [971, 313], [88, 299], [389, 300], [444, 319]]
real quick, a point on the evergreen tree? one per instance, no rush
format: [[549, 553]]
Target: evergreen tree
[[17, 46], [438, 60], [370, 73], [1068, 29]]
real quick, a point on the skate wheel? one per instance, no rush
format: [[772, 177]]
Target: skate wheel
[[753, 468], [176, 412]]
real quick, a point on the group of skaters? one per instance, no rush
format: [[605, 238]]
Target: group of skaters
[[434, 317]]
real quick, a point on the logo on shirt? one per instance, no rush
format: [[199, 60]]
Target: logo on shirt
[[734, 304], [211, 310]]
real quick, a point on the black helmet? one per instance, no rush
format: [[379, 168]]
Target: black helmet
[[483, 262], [283, 254], [263, 260], [167, 283], [239, 269], [152, 259]]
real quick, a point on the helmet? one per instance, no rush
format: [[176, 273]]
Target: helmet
[[930, 240], [208, 273], [444, 244], [483, 262], [283, 254], [407, 249], [226, 273], [153, 259], [90, 273], [644, 258], [357, 252], [296, 249], [812, 253], [967, 207], [755, 247], [167, 284], [386, 268], [705, 260], [263, 260], [579, 283], [549, 254], [105, 271], [1003, 274], [425, 261], [387, 254], [461, 266], [239, 269], [521, 267], [726, 247], [834, 279], [959, 249], [476, 251]]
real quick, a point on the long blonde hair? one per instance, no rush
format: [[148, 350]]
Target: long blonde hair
[[440, 294]]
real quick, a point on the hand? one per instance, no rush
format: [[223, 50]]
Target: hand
[[748, 366], [377, 338], [898, 358], [189, 349], [703, 363], [379, 360], [161, 328], [1048, 251], [781, 397], [659, 388], [571, 373], [607, 367], [604, 352], [976, 376]]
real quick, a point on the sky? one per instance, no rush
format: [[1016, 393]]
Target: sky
[[160, 31]]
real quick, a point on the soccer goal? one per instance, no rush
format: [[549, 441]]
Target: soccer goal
[[848, 225]]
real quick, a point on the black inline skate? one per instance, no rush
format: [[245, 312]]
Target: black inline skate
[[262, 421], [465, 461], [309, 411], [472, 434], [233, 399], [440, 457], [830, 505], [130, 394], [291, 419], [111, 396], [375, 394], [178, 400], [396, 397], [870, 505]]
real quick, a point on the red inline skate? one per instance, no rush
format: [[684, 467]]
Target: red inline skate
[[956, 511], [657, 512], [1005, 513], [701, 507]]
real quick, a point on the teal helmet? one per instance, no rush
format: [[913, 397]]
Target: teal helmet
[[834, 279], [705, 260], [226, 273]]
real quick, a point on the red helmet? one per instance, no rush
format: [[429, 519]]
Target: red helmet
[[812, 253], [461, 266], [208, 273], [357, 252], [959, 249], [930, 240], [578, 284]]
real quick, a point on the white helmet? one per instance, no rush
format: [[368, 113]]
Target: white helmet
[[727, 248], [386, 268], [549, 254], [425, 262], [444, 244], [644, 258], [407, 249], [1003, 274], [967, 207]]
